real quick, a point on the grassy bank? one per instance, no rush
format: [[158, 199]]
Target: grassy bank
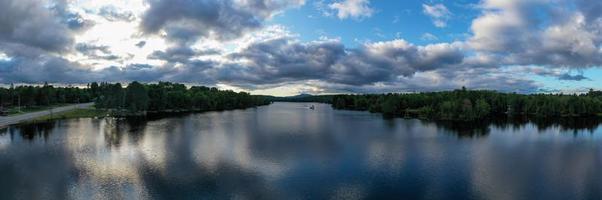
[[16, 111], [77, 113]]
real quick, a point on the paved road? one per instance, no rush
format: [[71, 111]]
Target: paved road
[[10, 120]]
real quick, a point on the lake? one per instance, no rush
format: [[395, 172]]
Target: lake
[[288, 151]]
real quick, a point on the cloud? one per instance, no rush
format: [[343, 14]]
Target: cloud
[[283, 58], [558, 73], [27, 22], [33, 65], [436, 80], [181, 54], [96, 52], [92, 49], [438, 13], [272, 58], [141, 44], [227, 42], [188, 20], [539, 32], [591, 9], [384, 61], [428, 37], [355, 9], [280, 58], [112, 13], [569, 77], [73, 20]]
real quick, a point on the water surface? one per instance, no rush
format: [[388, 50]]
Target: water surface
[[287, 151]]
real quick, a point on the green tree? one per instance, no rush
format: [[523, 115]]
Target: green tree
[[136, 97], [482, 108]]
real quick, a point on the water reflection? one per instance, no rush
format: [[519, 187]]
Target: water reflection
[[115, 129], [568, 125], [286, 151]]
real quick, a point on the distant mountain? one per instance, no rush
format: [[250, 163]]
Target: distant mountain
[[305, 98], [302, 95]]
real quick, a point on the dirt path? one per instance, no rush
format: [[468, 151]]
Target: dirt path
[[10, 120]]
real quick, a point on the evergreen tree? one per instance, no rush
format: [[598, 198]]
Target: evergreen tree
[[136, 97]]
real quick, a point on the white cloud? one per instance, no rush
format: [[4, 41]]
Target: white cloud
[[355, 9], [539, 32], [428, 37], [438, 13], [560, 37], [4, 57]]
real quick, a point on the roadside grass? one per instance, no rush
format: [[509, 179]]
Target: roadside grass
[[15, 111], [77, 113]]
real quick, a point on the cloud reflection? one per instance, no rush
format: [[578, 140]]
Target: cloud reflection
[[285, 151]]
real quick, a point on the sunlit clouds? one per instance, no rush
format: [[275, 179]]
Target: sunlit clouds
[[244, 45]]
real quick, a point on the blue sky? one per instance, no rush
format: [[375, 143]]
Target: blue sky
[[286, 47], [390, 20]]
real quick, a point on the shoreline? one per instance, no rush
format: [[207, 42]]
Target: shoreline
[[97, 113], [18, 119]]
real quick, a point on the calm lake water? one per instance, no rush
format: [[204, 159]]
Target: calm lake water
[[287, 151]]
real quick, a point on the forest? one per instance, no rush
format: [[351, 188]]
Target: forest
[[46, 95], [470, 105], [461, 104], [134, 98]]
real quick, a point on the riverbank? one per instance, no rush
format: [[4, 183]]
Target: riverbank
[[16, 119], [77, 113], [14, 111], [90, 112]]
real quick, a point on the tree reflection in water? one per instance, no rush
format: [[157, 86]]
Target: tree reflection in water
[[115, 128], [482, 128], [286, 151]]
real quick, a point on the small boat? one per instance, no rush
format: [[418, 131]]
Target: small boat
[[312, 107]]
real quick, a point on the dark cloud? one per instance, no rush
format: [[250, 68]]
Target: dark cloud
[[546, 33], [32, 65], [195, 71], [384, 61], [112, 13], [42, 68], [28, 22], [555, 35], [390, 66], [560, 74], [141, 44], [176, 54], [75, 22], [283, 59], [592, 9], [134, 72], [187, 20], [569, 77], [438, 80], [93, 51], [72, 20], [181, 54]]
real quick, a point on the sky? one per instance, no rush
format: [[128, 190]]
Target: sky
[[288, 47]]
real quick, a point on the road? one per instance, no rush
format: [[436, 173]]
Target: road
[[10, 120]]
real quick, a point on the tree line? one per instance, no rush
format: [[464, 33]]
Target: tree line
[[45, 95], [303, 98], [166, 96], [470, 105], [135, 97]]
